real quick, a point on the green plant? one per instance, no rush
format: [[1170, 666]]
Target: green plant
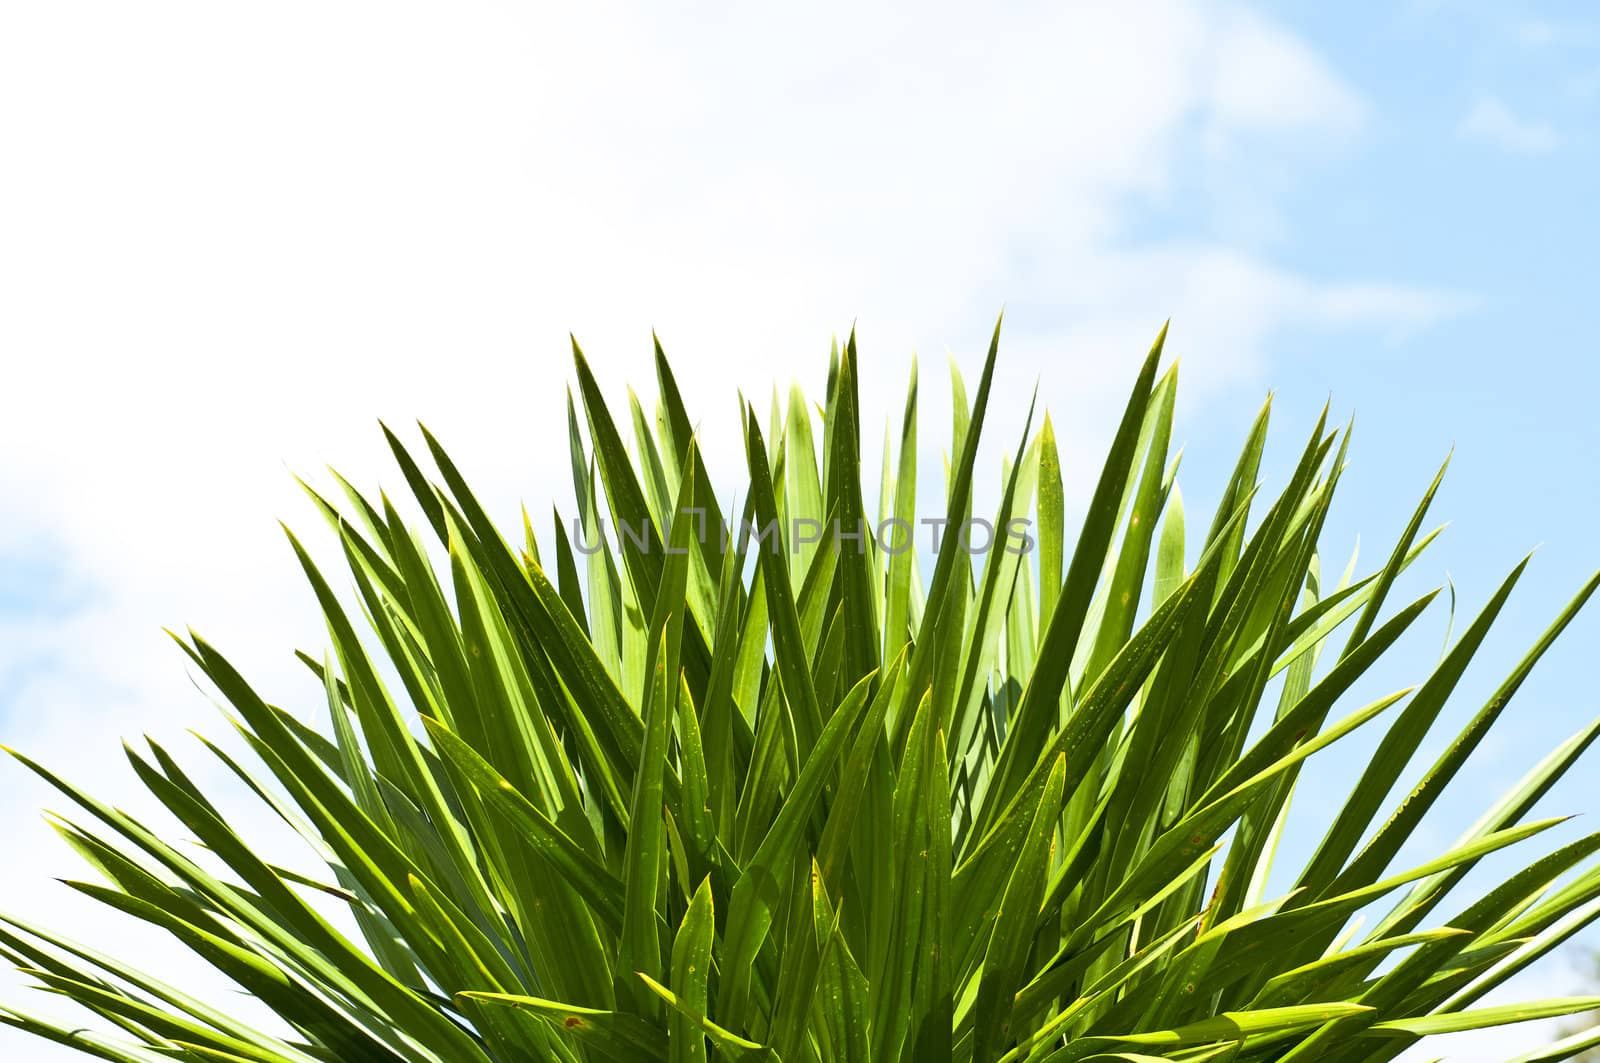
[[769, 798], [1581, 1038]]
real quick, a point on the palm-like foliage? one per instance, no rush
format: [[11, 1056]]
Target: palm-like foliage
[[680, 796]]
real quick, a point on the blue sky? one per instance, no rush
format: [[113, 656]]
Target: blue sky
[[228, 241]]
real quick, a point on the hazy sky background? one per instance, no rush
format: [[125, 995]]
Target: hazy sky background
[[231, 236]]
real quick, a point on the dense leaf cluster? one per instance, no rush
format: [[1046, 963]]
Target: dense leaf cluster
[[679, 796]]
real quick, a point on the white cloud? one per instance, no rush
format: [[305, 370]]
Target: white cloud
[[1584, 86], [232, 238], [1267, 79], [1493, 123], [1547, 33]]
